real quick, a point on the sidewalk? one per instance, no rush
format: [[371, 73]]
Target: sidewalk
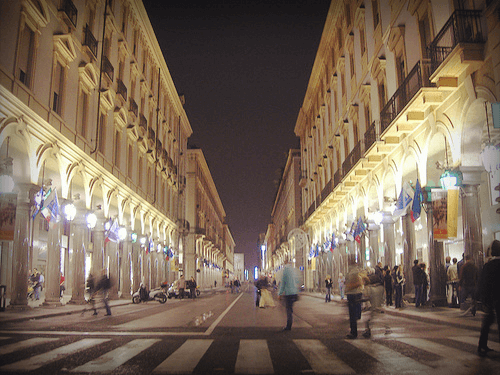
[[439, 315]]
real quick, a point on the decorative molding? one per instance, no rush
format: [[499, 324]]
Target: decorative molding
[[65, 47]]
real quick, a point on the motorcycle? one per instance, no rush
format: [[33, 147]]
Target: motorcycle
[[142, 295], [173, 291]]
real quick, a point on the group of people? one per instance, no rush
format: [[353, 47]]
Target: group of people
[[187, 284], [35, 283], [102, 287], [235, 286]]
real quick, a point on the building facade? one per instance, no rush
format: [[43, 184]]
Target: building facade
[[89, 111], [400, 92], [209, 255], [239, 266]]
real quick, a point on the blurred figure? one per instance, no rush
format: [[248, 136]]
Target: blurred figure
[[417, 282], [354, 290], [328, 285], [388, 287], [103, 286], [374, 290], [192, 288], [62, 288], [182, 286], [425, 284], [341, 281], [489, 294], [452, 276], [289, 289], [91, 288], [260, 284], [398, 286], [35, 281], [467, 285]]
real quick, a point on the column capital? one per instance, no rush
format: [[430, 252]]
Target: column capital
[[471, 175]]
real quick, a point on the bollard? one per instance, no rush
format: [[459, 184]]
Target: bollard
[[3, 288]]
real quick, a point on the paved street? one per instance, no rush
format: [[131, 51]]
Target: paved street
[[224, 333]]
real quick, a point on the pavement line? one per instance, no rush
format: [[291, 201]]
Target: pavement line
[[393, 361], [441, 350], [322, 360], [221, 316], [111, 360], [108, 333], [7, 349], [253, 358], [475, 341], [40, 360], [184, 359]]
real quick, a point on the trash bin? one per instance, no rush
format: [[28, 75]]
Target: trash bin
[[3, 288]]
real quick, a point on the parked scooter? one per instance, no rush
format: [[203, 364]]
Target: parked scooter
[[142, 295]]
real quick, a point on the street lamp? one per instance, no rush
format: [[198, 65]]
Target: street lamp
[[91, 219], [122, 233], [69, 211]]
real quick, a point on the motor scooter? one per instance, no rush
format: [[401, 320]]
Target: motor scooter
[[142, 295]]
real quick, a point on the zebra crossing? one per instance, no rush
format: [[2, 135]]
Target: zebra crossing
[[254, 356]]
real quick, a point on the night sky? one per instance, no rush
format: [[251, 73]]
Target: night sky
[[243, 67]]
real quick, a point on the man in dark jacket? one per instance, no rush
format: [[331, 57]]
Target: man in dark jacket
[[104, 285], [417, 282], [489, 294], [467, 284]]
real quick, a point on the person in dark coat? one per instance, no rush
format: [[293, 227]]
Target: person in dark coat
[[104, 285], [467, 284], [489, 294], [388, 288], [417, 282]]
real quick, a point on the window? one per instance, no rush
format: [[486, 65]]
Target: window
[[362, 40], [149, 182], [376, 13], [102, 132], [26, 53], [382, 94], [346, 147], [351, 63], [400, 68], [84, 113], [367, 114], [118, 140], [355, 130], [58, 88], [424, 27], [140, 171], [130, 164]]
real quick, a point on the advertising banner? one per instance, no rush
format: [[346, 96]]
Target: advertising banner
[[452, 212], [439, 214], [8, 203]]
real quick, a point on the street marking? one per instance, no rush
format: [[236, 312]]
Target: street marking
[[7, 349], [40, 360], [253, 358], [184, 359], [441, 350], [322, 360], [109, 333], [393, 361], [475, 341], [117, 357], [221, 316]]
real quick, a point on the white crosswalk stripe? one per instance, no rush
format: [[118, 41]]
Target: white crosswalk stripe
[[441, 350], [184, 359], [475, 341], [322, 360], [392, 360], [253, 358], [40, 360], [7, 349], [113, 359]]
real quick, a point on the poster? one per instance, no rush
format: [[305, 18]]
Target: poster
[[452, 208], [8, 204], [439, 214]]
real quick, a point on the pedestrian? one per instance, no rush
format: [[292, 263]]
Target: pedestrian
[[388, 287], [103, 286], [425, 284], [452, 276], [192, 287], [289, 289], [374, 290], [328, 285], [35, 280], [91, 288], [341, 281], [237, 285], [62, 288], [354, 291], [489, 294], [41, 281], [398, 286], [182, 286], [467, 285], [417, 282], [447, 262]]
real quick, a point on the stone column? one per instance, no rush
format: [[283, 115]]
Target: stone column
[[20, 259], [437, 274], [136, 266], [410, 253], [471, 214], [373, 230], [78, 228], [53, 270], [98, 246], [112, 253], [126, 259], [389, 242]]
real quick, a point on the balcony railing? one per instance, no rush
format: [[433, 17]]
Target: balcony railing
[[121, 89], [353, 157], [370, 135], [337, 177], [408, 89], [90, 41], [143, 124], [107, 67], [326, 191], [464, 26], [69, 9], [134, 108]]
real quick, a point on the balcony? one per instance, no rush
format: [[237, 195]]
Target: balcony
[[337, 177], [326, 191], [134, 108], [371, 135], [90, 41], [459, 44], [354, 156], [108, 68], [403, 95], [121, 89], [69, 12]]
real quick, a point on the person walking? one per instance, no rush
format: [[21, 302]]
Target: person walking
[[452, 276], [489, 294], [35, 280], [388, 287], [192, 288], [91, 288], [103, 286], [182, 286], [417, 282], [341, 281], [289, 289], [62, 287], [398, 286], [354, 289], [467, 285], [328, 285], [425, 284], [374, 290]]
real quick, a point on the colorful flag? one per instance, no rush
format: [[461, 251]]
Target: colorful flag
[[404, 200], [416, 206], [360, 228], [50, 207], [112, 232], [38, 202], [334, 244]]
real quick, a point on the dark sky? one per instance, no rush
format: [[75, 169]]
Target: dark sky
[[243, 67]]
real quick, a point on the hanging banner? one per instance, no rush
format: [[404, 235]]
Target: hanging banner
[[452, 212], [313, 264], [439, 214], [8, 203]]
